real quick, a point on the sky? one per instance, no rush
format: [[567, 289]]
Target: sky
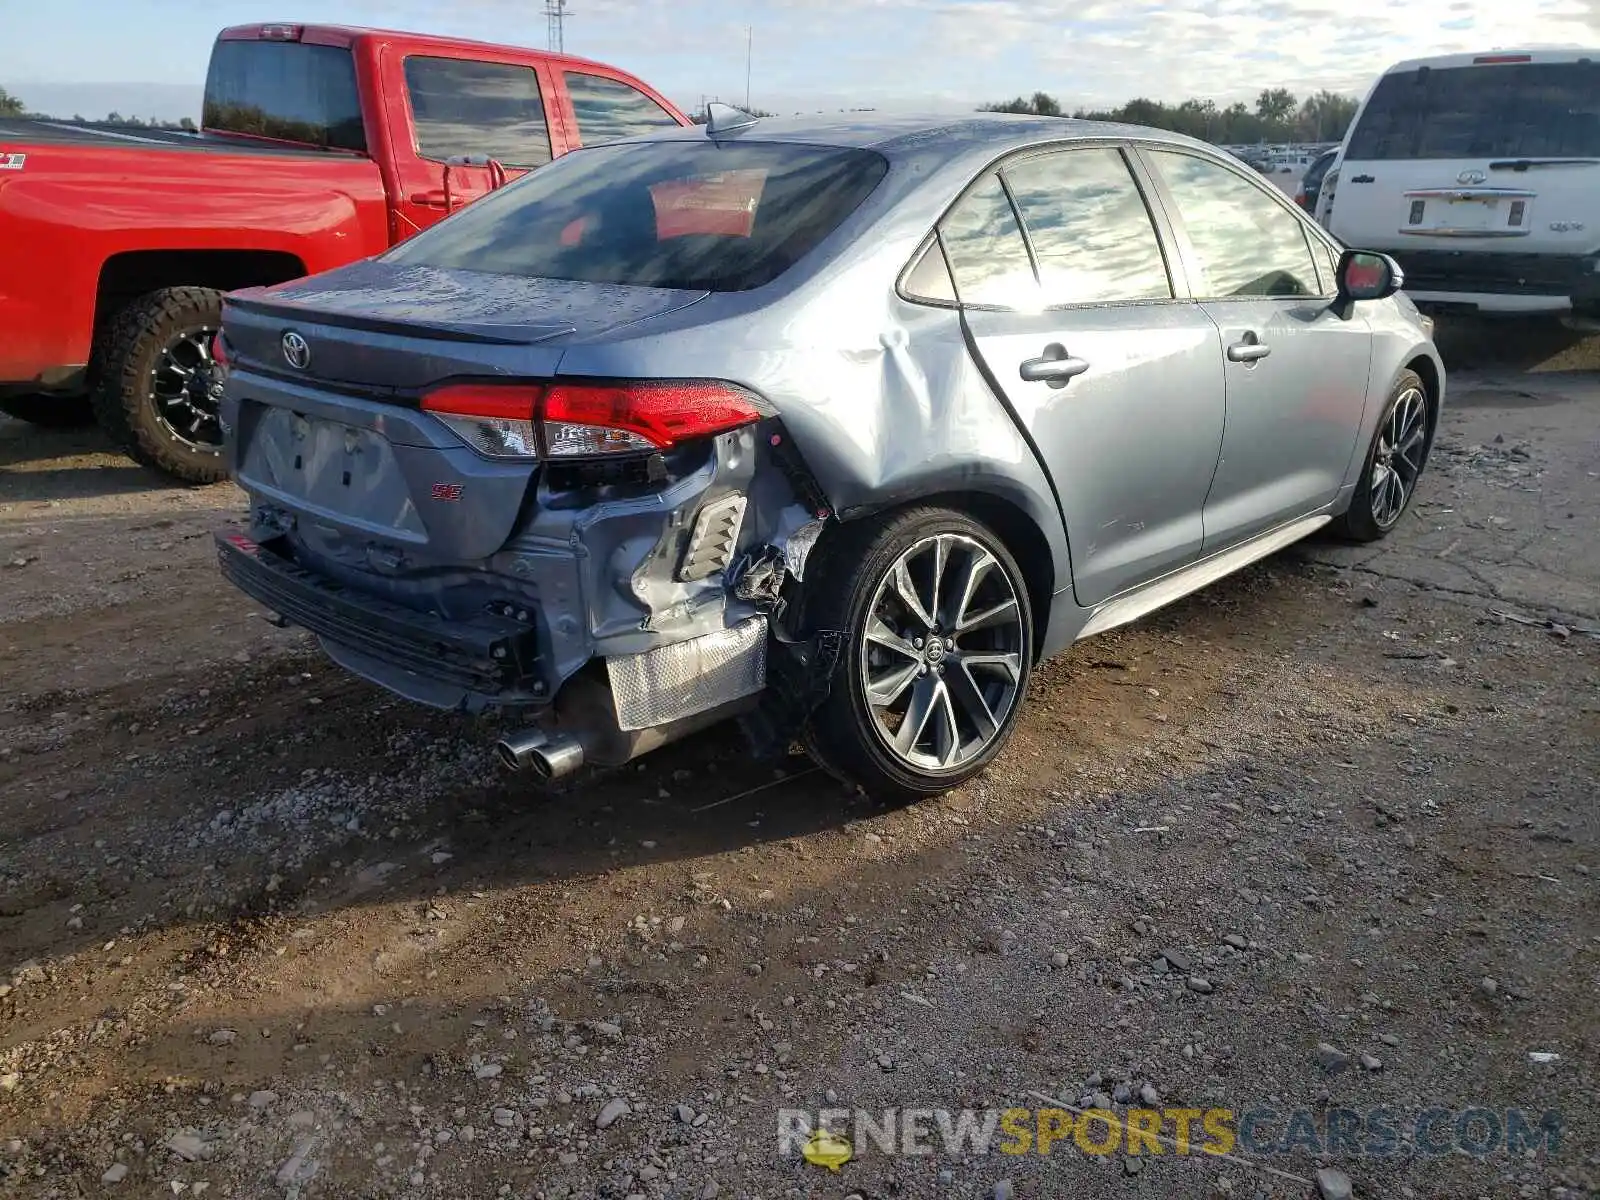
[[148, 57]]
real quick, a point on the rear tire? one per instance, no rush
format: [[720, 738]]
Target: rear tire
[[50, 410], [153, 397], [1393, 465], [937, 631]]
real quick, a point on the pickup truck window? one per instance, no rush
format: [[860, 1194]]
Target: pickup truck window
[[289, 91], [464, 107], [608, 109]]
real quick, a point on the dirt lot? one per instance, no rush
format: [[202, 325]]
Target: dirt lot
[[1324, 836]]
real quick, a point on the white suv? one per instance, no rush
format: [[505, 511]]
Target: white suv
[[1480, 175]]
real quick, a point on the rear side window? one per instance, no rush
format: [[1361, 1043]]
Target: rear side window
[[285, 90], [1513, 110], [672, 214], [1247, 243], [1091, 232], [465, 107], [608, 109], [987, 254]]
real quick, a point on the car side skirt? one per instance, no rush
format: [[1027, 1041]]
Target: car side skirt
[[1158, 593]]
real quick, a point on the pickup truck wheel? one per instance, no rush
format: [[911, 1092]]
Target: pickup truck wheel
[[49, 410], [937, 652], [154, 397]]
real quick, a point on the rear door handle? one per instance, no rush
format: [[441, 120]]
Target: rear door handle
[[1248, 351], [1055, 367], [439, 200]]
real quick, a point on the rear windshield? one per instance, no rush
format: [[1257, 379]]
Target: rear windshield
[[672, 214], [1518, 110], [285, 90]]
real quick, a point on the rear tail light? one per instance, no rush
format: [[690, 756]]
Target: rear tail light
[[495, 420], [590, 420], [1497, 59]]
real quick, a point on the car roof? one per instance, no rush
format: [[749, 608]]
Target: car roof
[[980, 135]]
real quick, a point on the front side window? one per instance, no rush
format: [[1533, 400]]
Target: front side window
[[672, 214], [1091, 232], [1247, 243], [289, 91], [463, 107], [987, 255], [608, 109]]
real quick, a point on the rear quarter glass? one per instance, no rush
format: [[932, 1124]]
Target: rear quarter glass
[[671, 214]]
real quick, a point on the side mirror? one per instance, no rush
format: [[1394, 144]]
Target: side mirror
[[1366, 275]]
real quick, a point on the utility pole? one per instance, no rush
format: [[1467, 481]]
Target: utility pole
[[749, 38], [555, 12]]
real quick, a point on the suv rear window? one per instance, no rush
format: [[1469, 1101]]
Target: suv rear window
[[671, 214], [1516, 110], [286, 90]]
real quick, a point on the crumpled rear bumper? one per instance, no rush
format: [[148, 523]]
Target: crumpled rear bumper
[[488, 655]]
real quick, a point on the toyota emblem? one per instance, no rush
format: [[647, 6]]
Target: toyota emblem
[[1470, 177], [296, 351]]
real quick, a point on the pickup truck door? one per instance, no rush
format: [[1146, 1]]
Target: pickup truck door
[[448, 115]]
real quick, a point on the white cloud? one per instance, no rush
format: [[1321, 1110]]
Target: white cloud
[[824, 54]]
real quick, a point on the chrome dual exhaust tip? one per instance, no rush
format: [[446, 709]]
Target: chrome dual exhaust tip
[[550, 756]]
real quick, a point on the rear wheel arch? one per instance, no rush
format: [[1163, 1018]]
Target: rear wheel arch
[[1021, 534], [130, 276]]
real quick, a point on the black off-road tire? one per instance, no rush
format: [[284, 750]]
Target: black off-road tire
[[123, 406], [49, 410], [1357, 523], [841, 582]]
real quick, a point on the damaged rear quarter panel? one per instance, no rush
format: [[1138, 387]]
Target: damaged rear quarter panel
[[880, 396]]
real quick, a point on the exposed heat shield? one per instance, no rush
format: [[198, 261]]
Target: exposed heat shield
[[716, 534], [690, 677]]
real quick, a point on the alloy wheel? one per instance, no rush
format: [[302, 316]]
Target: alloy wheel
[[180, 388], [1397, 461], [941, 655]]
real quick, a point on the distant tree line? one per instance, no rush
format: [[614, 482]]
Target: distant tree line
[[1278, 116], [12, 106]]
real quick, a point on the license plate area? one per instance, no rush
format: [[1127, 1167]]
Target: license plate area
[[1468, 213], [330, 468]]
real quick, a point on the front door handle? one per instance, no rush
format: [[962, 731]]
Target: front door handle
[[1055, 367], [1248, 351]]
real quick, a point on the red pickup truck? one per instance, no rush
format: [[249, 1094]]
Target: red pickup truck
[[319, 145]]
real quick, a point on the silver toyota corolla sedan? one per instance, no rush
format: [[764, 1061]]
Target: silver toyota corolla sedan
[[834, 426]]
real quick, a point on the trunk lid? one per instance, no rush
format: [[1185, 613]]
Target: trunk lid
[[323, 403]]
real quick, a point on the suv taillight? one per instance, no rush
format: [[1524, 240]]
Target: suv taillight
[[590, 420]]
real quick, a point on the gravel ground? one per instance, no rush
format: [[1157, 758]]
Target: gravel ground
[[1322, 837]]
